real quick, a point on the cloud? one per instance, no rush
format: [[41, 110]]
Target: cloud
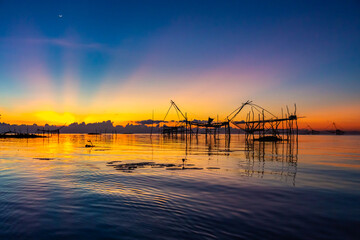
[[61, 42]]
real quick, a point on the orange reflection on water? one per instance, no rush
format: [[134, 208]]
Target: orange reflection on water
[[64, 160]]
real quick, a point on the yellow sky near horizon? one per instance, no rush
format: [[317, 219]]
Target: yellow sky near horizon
[[344, 116]]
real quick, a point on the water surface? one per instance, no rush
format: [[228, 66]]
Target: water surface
[[55, 188]]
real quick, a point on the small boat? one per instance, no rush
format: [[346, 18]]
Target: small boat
[[268, 139]]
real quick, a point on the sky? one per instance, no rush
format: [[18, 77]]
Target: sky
[[67, 61]]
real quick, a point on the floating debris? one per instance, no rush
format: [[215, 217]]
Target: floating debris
[[112, 162], [157, 166], [130, 167], [183, 168], [213, 168], [165, 165], [176, 168], [44, 159], [91, 145], [162, 165]]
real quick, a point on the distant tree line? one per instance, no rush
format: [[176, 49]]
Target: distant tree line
[[144, 126]]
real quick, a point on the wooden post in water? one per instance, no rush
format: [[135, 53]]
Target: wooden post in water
[[282, 123], [152, 123], [263, 127], [186, 126]]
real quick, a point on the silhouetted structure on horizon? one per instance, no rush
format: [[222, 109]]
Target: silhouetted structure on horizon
[[312, 131], [263, 129], [50, 131], [336, 131]]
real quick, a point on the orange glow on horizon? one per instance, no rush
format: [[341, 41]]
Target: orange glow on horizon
[[134, 99], [318, 120]]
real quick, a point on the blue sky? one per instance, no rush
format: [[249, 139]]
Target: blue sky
[[143, 53]]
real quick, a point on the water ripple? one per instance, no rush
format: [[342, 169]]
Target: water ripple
[[60, 190]]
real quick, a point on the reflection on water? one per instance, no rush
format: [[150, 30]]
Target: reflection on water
[[124, 187], [276, 158]]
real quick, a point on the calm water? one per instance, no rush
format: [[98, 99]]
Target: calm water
[[58, 189]]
